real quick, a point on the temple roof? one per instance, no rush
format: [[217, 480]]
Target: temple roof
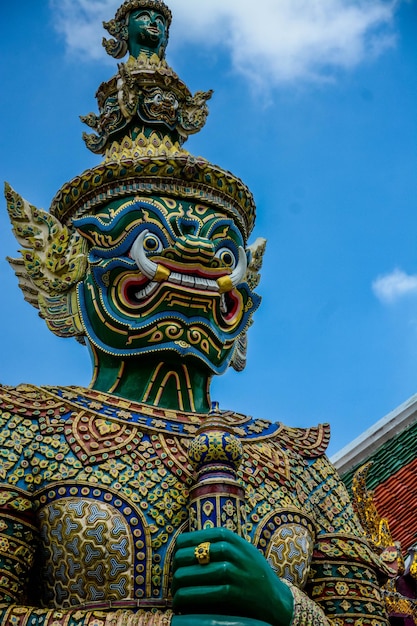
[[391, 444], [396, 499]]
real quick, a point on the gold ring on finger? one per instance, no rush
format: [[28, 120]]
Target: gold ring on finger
[[202, 553]]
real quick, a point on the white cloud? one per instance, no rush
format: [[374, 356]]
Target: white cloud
[[272, 41], [391, 287], [80, 22]]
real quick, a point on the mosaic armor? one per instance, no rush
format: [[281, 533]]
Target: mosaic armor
[[95, 492]]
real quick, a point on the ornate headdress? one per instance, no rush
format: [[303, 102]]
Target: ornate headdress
[[133, 5], [117, 27], [146, 113]]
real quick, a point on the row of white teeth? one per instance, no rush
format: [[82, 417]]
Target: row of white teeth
[[187, 281], [149, 269], [193, 281], [181, 279]]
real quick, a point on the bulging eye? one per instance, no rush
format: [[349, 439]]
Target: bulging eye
[[152, 243], [227, 257], [142, 17]]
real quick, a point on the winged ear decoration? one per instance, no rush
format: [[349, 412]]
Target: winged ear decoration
[[257, 251], [253, 277], [52, 262]]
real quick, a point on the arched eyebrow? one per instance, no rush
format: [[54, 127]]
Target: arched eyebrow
[[225, 227], [139, 13]]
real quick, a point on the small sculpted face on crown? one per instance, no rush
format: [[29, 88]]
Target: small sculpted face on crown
[[139, 26], [165, 276], [148, 30]]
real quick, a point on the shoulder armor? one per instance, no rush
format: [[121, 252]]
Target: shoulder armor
[[26, 400], [309, 442], [47, 403]]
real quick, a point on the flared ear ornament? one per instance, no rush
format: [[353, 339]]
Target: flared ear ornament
[[117, 47], [253, 276], [238, 360], [52, 263], [256, 251]]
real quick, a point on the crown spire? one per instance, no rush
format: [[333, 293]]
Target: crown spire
[[145, 115]]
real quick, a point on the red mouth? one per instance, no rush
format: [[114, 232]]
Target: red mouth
[[135, 290], [231, 302]]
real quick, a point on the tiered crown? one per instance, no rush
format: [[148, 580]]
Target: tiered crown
[[146, 113], [133, 5]]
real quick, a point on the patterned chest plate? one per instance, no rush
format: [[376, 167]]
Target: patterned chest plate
[[88, 553], [110, 481]]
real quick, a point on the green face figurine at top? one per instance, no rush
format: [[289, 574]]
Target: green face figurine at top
[[147, 30], [140, 28], [131, 502]]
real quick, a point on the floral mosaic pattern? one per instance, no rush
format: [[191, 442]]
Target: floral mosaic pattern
[[127, 465]]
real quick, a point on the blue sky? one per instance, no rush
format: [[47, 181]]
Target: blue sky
[[315, 108]]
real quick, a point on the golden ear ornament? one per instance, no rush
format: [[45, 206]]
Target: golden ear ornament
[[253, 277], [257, 251], [53, 261]]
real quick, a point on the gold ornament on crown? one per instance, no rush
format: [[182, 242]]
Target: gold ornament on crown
[[133, 5]]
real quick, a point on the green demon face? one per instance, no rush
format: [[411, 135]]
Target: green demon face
[[146, 29], [165, 276]]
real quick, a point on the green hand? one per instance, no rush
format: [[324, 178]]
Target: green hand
[[237, 581]]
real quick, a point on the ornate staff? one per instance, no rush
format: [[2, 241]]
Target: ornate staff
[[217, 498]]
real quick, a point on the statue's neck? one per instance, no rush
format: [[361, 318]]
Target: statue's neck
[[139, 51], [172, 385]]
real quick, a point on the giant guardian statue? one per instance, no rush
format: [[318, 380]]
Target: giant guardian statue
[[136, 501]]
